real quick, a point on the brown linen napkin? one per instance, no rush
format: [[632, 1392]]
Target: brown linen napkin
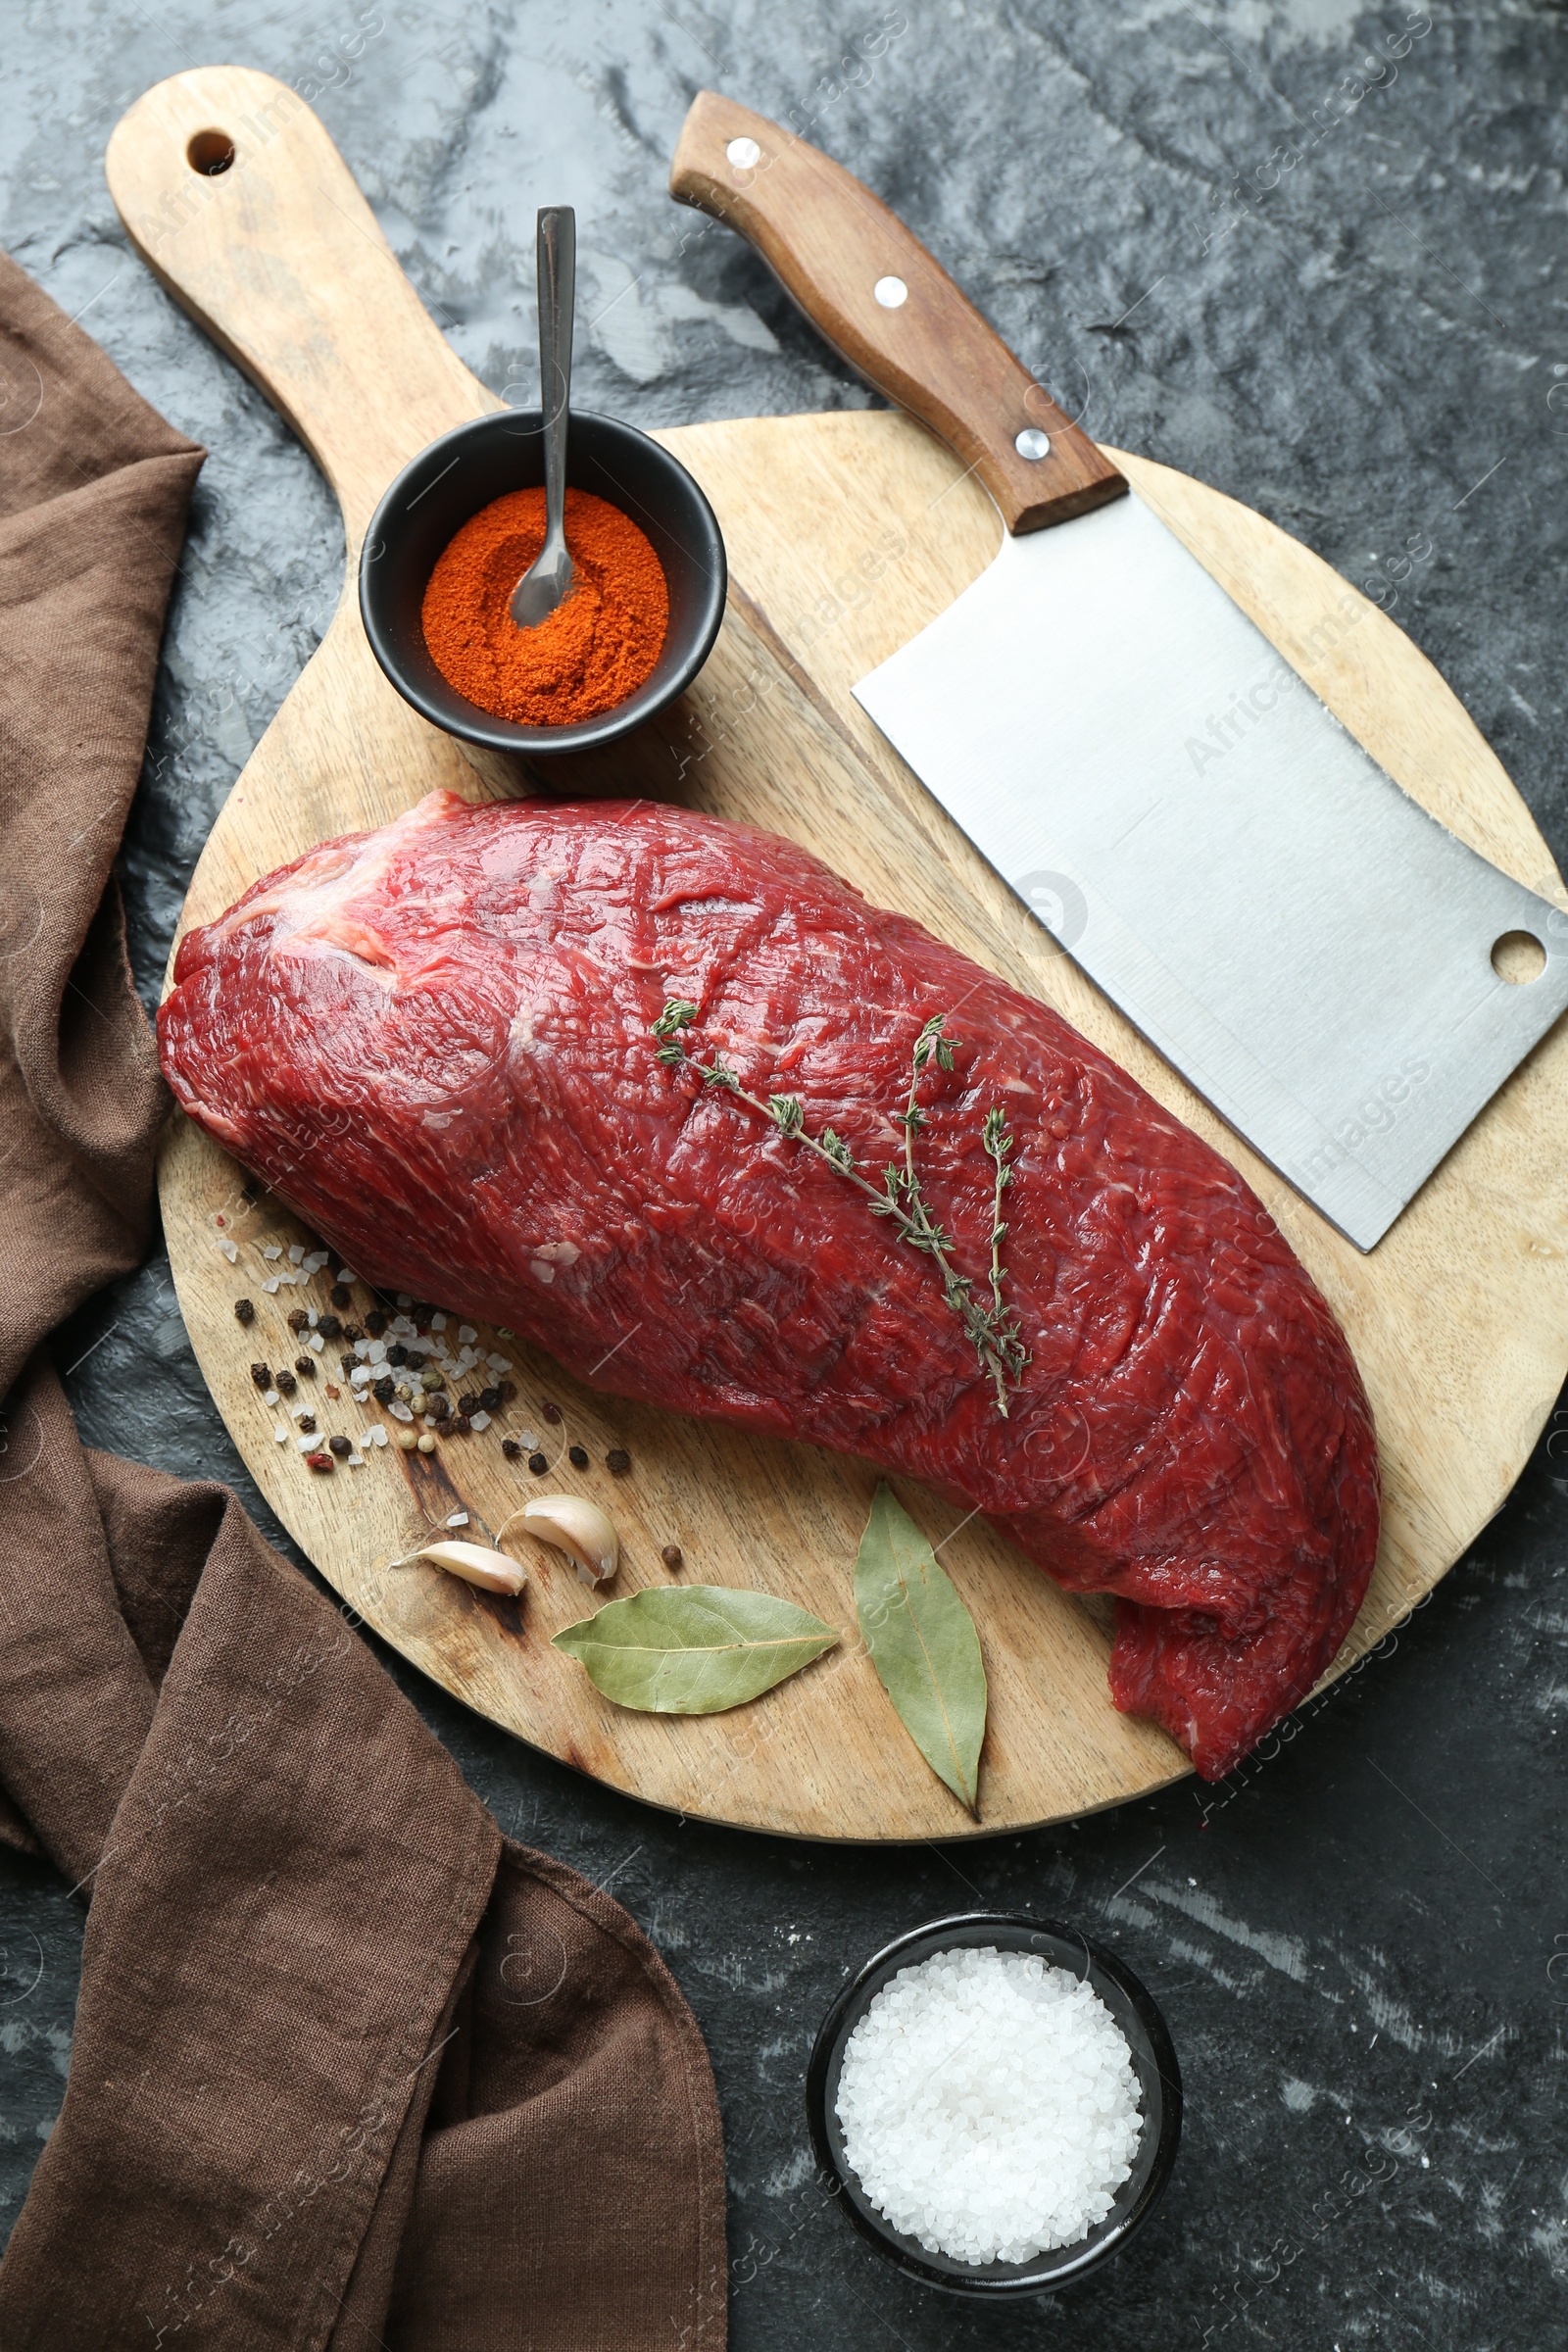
[[350, 2069]]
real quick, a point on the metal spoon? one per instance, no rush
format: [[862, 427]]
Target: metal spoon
[[547, 582]]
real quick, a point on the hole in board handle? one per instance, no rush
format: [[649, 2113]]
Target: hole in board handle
[[1518, 957], [210, 151]]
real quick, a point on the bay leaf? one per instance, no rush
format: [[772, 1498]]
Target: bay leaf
[[693, 1650], [923, 1645]]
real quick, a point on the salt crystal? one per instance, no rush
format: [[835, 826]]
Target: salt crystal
[[455, 1519], [989, 2105], [307, 1444], [405, 1297], [315, 1261], [270, 1287], [230, 1252], [291, 1279], [359, 1377], [497, 1363], [402, 1327], [272, 1250], [466, 1332], [438, 1322], [312, 1317], [378, 1436], [296, 1251], [400, 1411], [479, 1421], [356, 1461], [281, 1435], [527, 1441], [375, 1353], [270, 1398], [316, 1342], [362, 1349]]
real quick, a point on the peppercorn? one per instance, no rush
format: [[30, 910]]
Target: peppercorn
[[320, 1462], [307, 1365], [489, 1399], [434, 1377], [673, 1558], [537, 1464], [397, 1353], [244, 1310], [427, 1444], [470, 1406], [346, 1364], [297, 1318], [261, 1375], [383, 1391], [508, 1390], [341, 1446], [550, 1412], [511, 1448], [416, 1358], [437, 1407], [577, 1456], [285, 1384], [375, 1322], [617, 1461], [407, 1440], [329, 1326], [352, 1333], [340, 1295], [462, 1425]]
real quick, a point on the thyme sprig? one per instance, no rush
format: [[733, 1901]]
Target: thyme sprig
[[992, 1330]]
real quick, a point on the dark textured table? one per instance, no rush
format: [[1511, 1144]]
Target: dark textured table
[[1314, 254]]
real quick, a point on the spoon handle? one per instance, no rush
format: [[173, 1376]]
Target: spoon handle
[[557, 274]]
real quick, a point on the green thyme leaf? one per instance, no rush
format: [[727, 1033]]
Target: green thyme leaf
[[788, 1116], [693, 1650], [924, 1646]]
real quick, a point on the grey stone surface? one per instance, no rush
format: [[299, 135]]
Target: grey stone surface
[[1361, 1941]]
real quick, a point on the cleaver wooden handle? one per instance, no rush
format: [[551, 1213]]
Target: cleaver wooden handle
[[237, 200], [877, 295]]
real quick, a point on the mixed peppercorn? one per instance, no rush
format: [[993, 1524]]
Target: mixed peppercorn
[[407, 1381]]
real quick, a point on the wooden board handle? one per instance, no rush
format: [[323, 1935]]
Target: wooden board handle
[[237, 200], [877, 295]]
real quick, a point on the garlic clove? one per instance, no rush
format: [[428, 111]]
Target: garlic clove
[[575, 1525], [491, 1571]]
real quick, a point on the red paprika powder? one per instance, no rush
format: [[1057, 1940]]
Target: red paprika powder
[[592, 653]]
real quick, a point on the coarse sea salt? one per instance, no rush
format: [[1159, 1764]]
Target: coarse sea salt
[[989, 2105]]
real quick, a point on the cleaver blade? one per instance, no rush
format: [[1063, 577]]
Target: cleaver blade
[[1288, 927], [1294, 934]]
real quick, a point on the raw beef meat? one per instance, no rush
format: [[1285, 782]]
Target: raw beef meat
[[435, 1041]]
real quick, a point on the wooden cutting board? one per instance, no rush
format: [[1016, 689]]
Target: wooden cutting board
[[845, 533]]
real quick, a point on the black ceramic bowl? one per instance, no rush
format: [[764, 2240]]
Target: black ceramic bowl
[[440, 489], [1153, 2061]]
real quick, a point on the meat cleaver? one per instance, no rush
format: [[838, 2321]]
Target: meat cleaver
[[1310, 948]]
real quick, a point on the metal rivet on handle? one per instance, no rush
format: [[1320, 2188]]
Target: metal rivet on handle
[[1032, 443], [744, 154], [891, 292]]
